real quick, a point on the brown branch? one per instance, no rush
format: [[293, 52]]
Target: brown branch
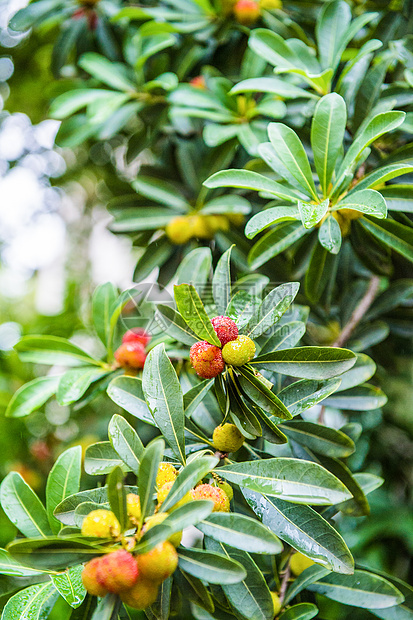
[[359, 312], [284, 582]]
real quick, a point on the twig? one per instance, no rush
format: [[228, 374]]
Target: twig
[[284, 582], [359, 312]]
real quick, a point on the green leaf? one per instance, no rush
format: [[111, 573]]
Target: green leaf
[[110, 73], [9, 566], [246, 179], [161, 191], [240, 532], [307, 362], [155, 254], [62, 481], [117, 496], [366, 201], [241, 307], [358, 506], [163, 394], [362, 371], [188, 478], [273, 85], [52, 350], [270, 216], [65, 511], [306, 393], [107, 608], [31, 396], [310, 213], [362, 589], [318, 273], [261, 395], [294, 480], [23, 507], [274, 242], [304, 529], [74, 383], [320, 439], [250, 598], [103, 300], [302, 611], [127, 392], [327, 133], [193, 312], [174, 325], [126, 442], [309, 575], [31, 14], [221, 282], [148, 470], [139, 219], [195, 591], [210, 566], [72, 101], [101, 458], [330, 31], [196, 395], [291, 151], [284, 337], [398, 237], [70, 587], [361, 398], [189, 514], [33, 603], [329, 235], [161, 608], [195, 268], [381, 175], [274, 305]]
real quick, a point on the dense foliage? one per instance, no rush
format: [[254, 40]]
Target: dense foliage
[[258, 154]]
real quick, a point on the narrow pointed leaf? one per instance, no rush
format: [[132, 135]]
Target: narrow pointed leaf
[[148, 470], [63, 480], [210, 566], [23, 507], [319, 438], [126, 442], [188, 478], [221, 282], [127, 392], [31, 396], [240, 532], [274, 305], [192, 310], [117, 496], [307, 362], [70, 587]]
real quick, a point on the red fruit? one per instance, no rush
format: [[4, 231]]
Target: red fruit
[[198, 82], [137, 334], [225, 328], [206, 359], [117, 571], [131, 355], [90, 580], [247, 12]]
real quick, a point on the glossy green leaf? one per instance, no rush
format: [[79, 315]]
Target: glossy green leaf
[[189, 514], [312, 213], [126, 442], [101, 458], [329, 235], [33, 603], [111, 74], [10, 566], [309, 575], [23, 507], [70, 587], [103, 299], [174, 325], [161, 191], [210, 566], [304, 529], [164, 396], [327, 133], [294, 480], [192, 310], [52, 350], [195, 268], [273, 215], [307, 362], [117, 496], [31, 396], [274, 242], [62, 481], [302, 395], [361, 398], [362, 371], [195, 396], [241, 532], [319, 438], [261, 395], [148, 470], [195, 591], [221, 282], [273, 85], [188, 478], [367, 201], [274, 305], [284, 337], [358, 506], [127, 392], [74, 383], [398, 237], [247, 179], [330, 31], [302, 611], [65, 511], [318, 273]]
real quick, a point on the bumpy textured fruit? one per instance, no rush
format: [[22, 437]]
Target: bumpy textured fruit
[[225, 329], [217, 495], [179, 230], [227, 438], [137, 334], [117, 571], [141, 595], [227, 488], [276, 602], [247, 12], [89, 578], [101, 524], [175, 539], [159, 563], [238, 352], [131, 355], [299, 563], [133, 507], [163, 492], [166, 473], [206, 359]]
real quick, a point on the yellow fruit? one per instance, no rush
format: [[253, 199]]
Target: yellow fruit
[[163, 492], [175, 539], [277, 603], [166, 473], [133, 507], [90, 580], [159, 563], [199, 227], [227, 488], [271, 4], [299, 563], [141, 595], [179, 230], [216, 222], [101, 524], [236, 218], [227, 438], [239, 352], [217, 495]]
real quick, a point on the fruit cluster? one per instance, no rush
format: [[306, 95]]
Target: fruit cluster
[[131, 354], [136, 577], [185, 227], [209, 360]]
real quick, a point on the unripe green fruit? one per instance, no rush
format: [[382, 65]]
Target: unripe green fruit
[[239, 352], [101, 524], [227, 438], [217, 495], [299, 563], [117, 571], [89, 578], [179, 230], [166, 473], [175, 539], [227, 488], [159, 563], [276, 602], [141, 595]]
